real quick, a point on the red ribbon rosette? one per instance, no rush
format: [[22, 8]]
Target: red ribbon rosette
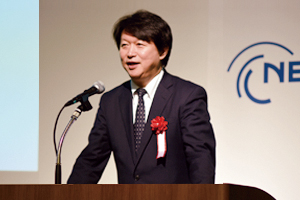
[[159, 125]]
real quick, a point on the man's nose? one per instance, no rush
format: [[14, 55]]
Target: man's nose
[[131, 51]]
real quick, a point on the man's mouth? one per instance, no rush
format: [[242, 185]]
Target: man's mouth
[[132, 64]]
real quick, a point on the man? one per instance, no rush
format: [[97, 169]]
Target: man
[[183, 149]]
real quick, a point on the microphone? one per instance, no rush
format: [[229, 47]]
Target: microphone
[[97, 88]]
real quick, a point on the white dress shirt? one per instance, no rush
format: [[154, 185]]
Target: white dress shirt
[[148, 97]]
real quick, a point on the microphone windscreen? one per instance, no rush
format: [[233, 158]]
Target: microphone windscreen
[[100, 86]]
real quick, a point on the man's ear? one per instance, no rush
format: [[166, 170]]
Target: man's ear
[[164, 53]]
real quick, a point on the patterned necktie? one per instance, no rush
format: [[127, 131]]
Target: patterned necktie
[[139, 126]]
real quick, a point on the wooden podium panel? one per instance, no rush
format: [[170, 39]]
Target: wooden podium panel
[[132, 192]]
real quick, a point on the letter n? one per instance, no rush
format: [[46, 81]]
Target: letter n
[[279, 71]]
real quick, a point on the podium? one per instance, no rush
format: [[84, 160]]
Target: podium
[[132, 192]]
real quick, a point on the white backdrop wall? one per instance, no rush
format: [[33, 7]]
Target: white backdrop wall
[[257, 144]]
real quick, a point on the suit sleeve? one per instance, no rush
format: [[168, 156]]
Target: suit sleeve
[[198, 137], [90, 164]]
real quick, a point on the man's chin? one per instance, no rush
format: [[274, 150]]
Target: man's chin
[[134, 75]]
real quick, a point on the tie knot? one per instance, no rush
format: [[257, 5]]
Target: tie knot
[[141, 92]]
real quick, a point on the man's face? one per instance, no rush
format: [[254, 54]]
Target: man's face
[[140, 59]]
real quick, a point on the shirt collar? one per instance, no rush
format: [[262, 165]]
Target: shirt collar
[[151, 86]]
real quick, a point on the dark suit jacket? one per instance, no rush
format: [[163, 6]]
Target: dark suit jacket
[[190, 156]]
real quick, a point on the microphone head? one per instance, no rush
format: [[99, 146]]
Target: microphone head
[[100, 86]]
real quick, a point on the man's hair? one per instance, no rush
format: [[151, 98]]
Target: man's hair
[[146, 26]]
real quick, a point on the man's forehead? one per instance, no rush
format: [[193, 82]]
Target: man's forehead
[[126, 36]]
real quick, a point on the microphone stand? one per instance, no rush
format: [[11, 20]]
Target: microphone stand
[[74, 117], [85, 106]]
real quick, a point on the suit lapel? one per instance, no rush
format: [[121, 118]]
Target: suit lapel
[[163, 93], [125, 102]]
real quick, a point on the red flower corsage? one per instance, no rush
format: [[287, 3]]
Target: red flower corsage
[[159, 125]]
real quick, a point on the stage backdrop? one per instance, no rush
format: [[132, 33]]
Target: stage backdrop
[[254, 82], [245, 53]]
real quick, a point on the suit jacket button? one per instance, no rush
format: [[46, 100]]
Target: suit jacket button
[[137, 177]]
